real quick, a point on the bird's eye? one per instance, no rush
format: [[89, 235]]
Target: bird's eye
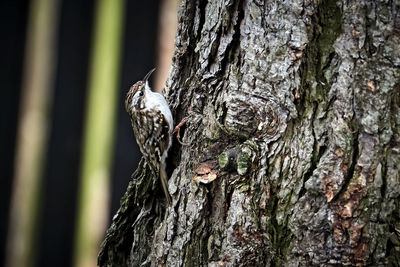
[[141, 93]]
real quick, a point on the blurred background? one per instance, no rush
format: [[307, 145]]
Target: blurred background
[[67, 147]]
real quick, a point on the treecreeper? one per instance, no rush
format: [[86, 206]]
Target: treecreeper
[[152, 125]]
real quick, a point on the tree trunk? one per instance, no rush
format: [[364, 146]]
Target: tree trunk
[[293, 133]]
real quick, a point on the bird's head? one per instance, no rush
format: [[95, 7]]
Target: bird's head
[[137, 94]]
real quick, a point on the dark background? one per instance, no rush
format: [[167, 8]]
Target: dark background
[[61, 171]]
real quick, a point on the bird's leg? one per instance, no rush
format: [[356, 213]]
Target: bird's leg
[[177, 130]]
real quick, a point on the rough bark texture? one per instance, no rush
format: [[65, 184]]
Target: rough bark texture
[[294, 140]]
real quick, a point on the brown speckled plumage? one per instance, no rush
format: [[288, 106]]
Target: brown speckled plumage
[[152, 125]]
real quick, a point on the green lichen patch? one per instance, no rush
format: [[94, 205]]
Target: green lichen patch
[[223, 160], [227, 159], [243, 163]]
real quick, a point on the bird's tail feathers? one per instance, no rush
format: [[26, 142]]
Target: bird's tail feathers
[[164, 184]]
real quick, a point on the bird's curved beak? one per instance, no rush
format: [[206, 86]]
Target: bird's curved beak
[[148, 75]]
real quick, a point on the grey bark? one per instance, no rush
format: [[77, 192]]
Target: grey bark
[[294, 140]]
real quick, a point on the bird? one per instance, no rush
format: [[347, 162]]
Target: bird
[[152, 125]]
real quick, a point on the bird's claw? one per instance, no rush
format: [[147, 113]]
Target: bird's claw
[[177, 131]]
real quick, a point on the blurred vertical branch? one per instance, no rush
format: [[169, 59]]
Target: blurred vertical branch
[[99, 131], [166, 34], [39, 65]]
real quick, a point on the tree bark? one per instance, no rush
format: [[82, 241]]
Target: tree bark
[[293, 132]]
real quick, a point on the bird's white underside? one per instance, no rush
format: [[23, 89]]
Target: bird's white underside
[[154, 100]]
